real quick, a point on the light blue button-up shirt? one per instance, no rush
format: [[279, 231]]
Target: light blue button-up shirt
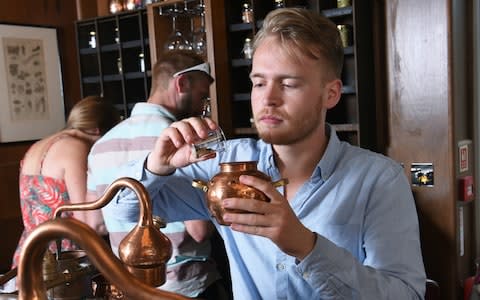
[[358, 202]]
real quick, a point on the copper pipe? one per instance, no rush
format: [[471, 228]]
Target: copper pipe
[[108, 196], [31, 285]]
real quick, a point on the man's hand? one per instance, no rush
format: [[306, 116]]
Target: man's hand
[[173, 148], [274, 220]]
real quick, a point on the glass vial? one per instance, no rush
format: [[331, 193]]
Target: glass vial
[[141, 62], [345, 34], [247, 49], [119, 65], [279, 3], [247, 13], [93, 39], [117, 35], [343, 3]]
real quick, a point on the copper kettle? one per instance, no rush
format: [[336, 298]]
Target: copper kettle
[[226, 184]]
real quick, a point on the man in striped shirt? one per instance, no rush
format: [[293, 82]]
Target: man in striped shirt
[[180, 85]]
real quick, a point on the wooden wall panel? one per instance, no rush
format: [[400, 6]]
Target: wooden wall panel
[[9, 212], [426, 98], [62, 15]]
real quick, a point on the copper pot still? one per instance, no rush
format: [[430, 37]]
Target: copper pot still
[[226, 184]]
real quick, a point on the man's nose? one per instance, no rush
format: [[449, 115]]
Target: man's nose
[[271, 95]]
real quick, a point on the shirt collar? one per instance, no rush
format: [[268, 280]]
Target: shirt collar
[[151, 108], [329, 159]]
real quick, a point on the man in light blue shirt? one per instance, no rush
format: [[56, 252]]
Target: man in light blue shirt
[[344, 227]]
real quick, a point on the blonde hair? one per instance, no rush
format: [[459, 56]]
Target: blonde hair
[[302, 31], [171, 62], [93, 112]]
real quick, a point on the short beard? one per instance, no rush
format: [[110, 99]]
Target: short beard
[[275, 136], [185, 107], [284, 135]]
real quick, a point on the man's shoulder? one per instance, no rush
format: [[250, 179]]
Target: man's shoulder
[[358, 156], [136, 126]]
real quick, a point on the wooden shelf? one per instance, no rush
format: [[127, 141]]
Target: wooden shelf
[[241, 27], [241, 62], [338, 12], [345, 127], [230, 93]]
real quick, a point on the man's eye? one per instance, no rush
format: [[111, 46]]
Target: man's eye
[[291, 85]]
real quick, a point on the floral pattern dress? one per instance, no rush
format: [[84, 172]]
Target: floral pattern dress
[[39, 198]]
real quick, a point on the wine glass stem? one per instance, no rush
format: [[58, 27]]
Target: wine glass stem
[[174, 23]]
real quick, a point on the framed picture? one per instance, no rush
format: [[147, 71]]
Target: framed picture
[[31, 90]]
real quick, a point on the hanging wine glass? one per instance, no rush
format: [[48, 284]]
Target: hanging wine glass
[[186, 10], [201, 7], [176, 39], [199, 41]]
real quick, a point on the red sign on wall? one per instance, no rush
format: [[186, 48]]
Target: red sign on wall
[[463, 155]]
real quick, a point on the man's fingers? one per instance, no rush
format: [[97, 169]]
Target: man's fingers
[[267, 187]]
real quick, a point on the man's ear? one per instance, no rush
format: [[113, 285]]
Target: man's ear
[[334, 92], [182, 83]]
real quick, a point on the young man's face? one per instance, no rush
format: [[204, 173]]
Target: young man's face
[[288, 96]]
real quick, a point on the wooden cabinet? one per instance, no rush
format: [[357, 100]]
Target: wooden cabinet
[[114, 58], [110, 49], [354, 117]]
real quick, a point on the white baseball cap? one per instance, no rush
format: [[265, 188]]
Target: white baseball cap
[[203, 67]]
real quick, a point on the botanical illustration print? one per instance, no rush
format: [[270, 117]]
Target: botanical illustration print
[[26, 79]]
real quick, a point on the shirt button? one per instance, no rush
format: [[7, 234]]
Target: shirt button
[[280, 267], [306, 275]]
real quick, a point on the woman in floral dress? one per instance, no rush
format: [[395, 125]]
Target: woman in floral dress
[[53, 171]]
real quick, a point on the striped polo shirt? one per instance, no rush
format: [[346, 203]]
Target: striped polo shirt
[[127, 142]]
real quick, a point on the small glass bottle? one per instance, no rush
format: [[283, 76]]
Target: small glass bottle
[[117, 35], [279, 3], [141, 62], [93, 39], [343, 3], [247, 13], [247, 49], [119, 65]]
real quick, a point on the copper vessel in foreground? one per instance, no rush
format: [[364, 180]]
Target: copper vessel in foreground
[[226, 184]]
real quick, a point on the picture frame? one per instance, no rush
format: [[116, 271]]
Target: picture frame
[[31, 87]]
